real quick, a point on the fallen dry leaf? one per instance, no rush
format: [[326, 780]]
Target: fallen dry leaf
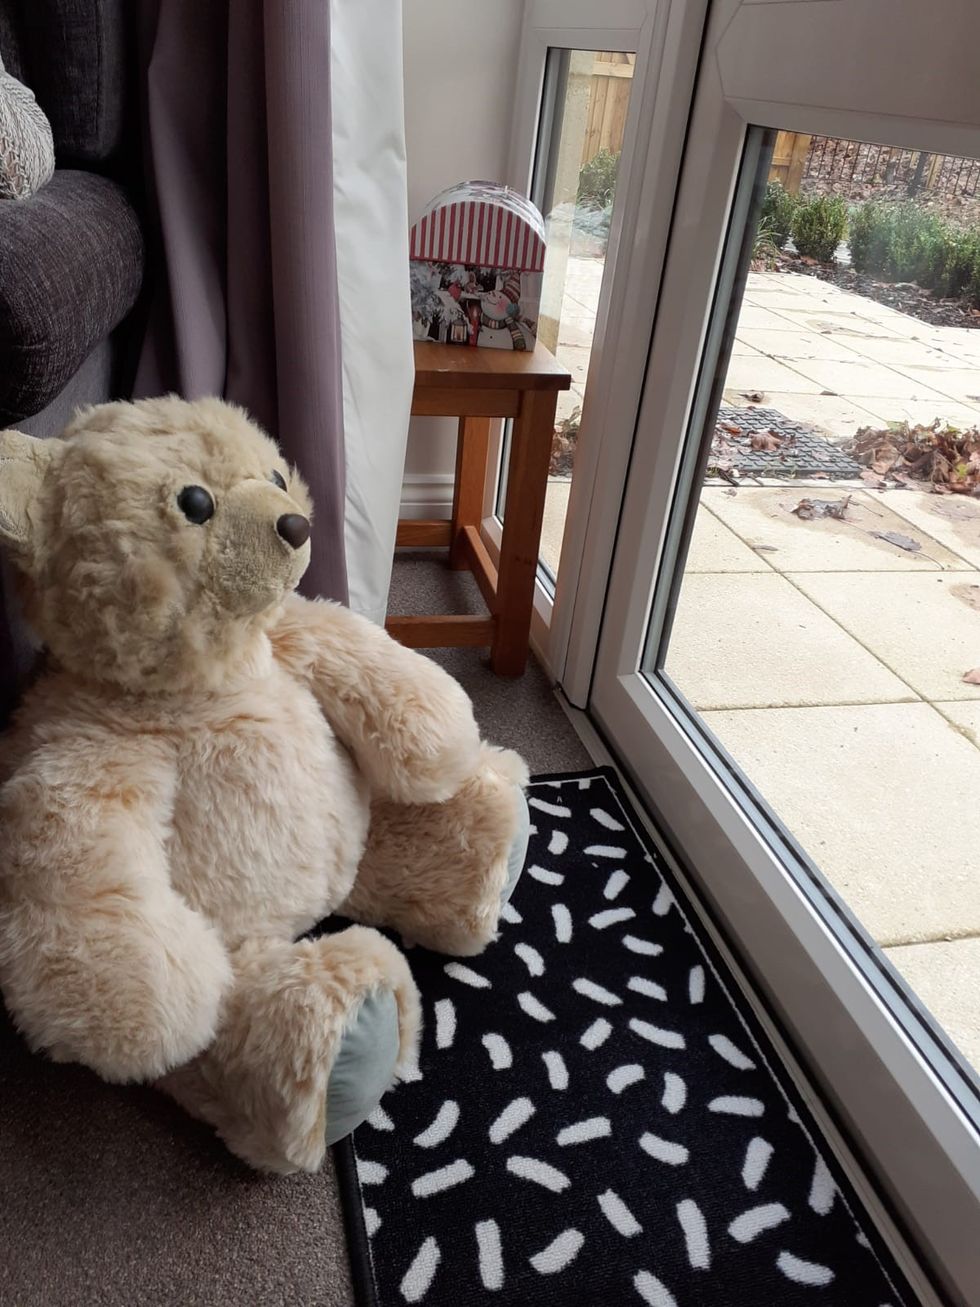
[[731, 428], [808, 509], [972, 677], [872, 479], [753, 396], [896, 538], [767, 441]]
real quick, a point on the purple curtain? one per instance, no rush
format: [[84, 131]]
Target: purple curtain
[[238, 151]]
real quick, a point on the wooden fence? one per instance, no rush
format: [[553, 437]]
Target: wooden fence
[[827, 165], [609, 96]]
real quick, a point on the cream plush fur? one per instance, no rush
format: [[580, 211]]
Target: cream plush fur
[[209, 765]]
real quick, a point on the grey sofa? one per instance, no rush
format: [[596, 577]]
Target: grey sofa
[[72, 256]]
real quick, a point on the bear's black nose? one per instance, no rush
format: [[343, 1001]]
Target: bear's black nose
[[294, 529]]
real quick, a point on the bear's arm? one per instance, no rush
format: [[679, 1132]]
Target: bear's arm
[[408, 724], [101, 961]]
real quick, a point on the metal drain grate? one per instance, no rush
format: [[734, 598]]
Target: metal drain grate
[[804, 453]]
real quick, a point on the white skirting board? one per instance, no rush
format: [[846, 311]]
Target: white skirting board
[[427, 495], [371, 220]]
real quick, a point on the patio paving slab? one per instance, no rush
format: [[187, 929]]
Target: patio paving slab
[[793, 344], [752, 316], [764, 373], [946, 976], [714, 548], [866, 790], [763, 516], [952, 519], [862, 377], [903, 351], [966, 718], [924, 411], [961, 384], [553, 526], [752, 640], [923, 625]]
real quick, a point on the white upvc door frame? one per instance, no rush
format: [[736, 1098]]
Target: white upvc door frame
[[665, 36], [906, 1099]]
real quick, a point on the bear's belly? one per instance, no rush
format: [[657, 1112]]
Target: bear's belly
[[270, 816]]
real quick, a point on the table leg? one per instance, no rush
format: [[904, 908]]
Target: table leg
[[527, 484], [472, 446]]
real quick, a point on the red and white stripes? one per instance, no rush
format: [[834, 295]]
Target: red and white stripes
[[483, 233]]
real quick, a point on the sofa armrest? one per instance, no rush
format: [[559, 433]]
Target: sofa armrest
[[71, 267]]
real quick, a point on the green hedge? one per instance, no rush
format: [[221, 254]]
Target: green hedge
[[818, 227], [901, 242]]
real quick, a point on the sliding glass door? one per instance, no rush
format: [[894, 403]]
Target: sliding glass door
[[789, 664]]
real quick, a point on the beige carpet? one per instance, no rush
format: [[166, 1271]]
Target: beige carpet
[[111, 1197]]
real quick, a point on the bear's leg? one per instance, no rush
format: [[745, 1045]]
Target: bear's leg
[[312, 1035], [439, 873]]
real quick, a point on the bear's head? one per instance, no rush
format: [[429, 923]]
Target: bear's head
[[155, 539]]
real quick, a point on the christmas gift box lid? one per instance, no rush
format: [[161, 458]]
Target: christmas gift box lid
[[481, 224]]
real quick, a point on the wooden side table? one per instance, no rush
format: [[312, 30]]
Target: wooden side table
[[478, 385]]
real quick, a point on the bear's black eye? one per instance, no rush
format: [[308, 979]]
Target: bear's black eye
[[196, 504], [278, 479]]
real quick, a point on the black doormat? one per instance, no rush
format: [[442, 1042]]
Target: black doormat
[[599, 1119], [802, 452]]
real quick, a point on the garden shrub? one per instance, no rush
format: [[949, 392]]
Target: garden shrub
[[819, 226], [597, 180], [776, 217], [901, 242]]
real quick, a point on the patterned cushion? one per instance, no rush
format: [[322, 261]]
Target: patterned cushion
[[26, 144]]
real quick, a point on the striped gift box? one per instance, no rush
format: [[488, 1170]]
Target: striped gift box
[[477, 253]]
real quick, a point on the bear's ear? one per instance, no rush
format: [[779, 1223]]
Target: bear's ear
[[23, 462]]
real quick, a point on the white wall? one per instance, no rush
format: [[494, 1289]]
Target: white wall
[[460, 78]]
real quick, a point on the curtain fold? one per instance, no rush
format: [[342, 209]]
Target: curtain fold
[[239, 153]]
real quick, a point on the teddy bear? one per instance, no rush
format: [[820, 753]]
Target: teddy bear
[[206, 767]]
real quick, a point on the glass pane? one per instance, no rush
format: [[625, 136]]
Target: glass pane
[[826, 614], [586, 102]]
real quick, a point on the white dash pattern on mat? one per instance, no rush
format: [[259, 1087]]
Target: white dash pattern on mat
[[597, 1034], [653, 1292], [531, 958], [619, 1215], [445, 1177], [445, 1022], [692, 1223], [603, 818], [664, 1150], [605, 851], [417, 1280], [822, 1189], [532, 1168], [756, 1221], [801, 1272], [563, 922], [610, 917], [552, 809], [733, 1055], [624, 1076], [695, 985], [644, 946], [557, 1070], [615, 885], [598, 994], [372, 1222], [558, 843], [675, 1093], [559, 1253], [490, 1254], [501, 1057], [445, 1122], [466, 975], [737, 1105], [663, 903], [654, 1034], [757, 1156], [380, 1120], [371, 1172], [529, 1004], [545, 876], [582, 1132], [514, 1115], [510, 913], [649, 988]]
